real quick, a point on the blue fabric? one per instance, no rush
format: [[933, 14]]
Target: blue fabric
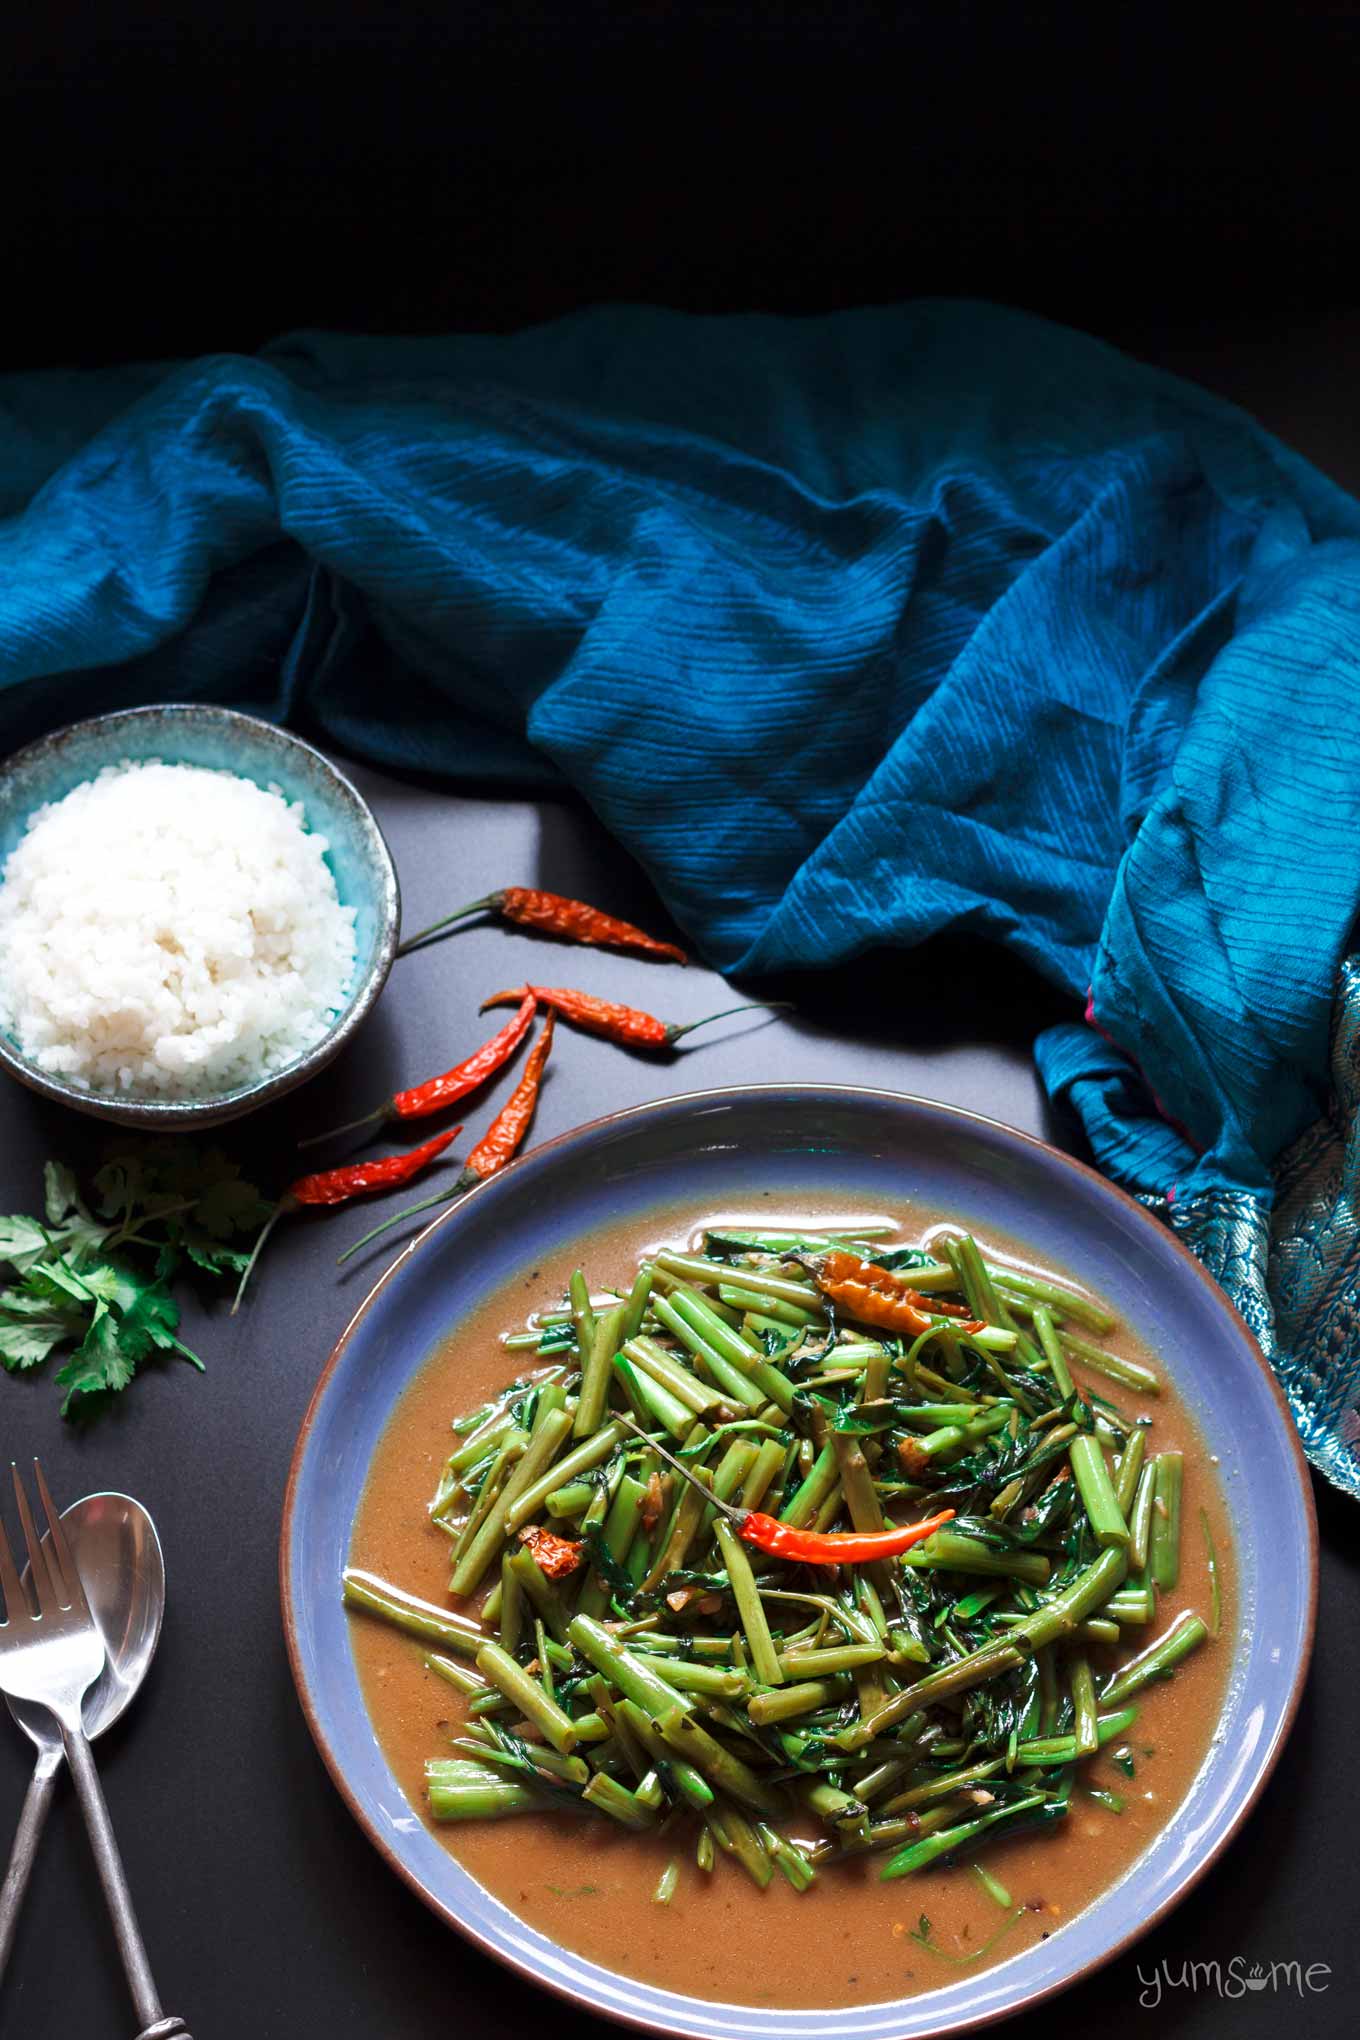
[[851, 629]]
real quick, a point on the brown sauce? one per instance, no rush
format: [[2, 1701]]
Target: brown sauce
[[847, 1940]]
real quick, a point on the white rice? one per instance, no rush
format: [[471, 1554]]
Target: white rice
[[170, 932]]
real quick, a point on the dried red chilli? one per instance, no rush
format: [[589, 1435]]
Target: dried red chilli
[[876, 1296], [440, 1092], [626, 1025], [653, 1502], [551, 913], [501, 1142], [496, 1147], [339, 1186], [804, 1547], [357, 1179], [556, 1557]]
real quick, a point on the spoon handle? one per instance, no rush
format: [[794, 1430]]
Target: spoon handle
[[32, 1820], [152, 2021]]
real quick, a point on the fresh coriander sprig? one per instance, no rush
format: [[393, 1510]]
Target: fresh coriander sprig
[[91, 1277]]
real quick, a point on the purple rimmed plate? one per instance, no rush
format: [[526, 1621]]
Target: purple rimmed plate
[[876, 1149]]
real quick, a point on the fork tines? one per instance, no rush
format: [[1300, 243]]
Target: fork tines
[[52, 1573]]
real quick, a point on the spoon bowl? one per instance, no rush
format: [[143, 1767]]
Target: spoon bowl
[[118, 1554], [114, 1547]]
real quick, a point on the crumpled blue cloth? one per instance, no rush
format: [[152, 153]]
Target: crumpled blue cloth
[[851, 629]]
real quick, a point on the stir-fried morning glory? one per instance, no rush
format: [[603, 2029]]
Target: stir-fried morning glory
[[807, 1544]]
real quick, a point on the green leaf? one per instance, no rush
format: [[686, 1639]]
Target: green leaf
[[118, 1183], [24, 1346], [865, 1418], [60, 1195], [618, 1580], [60, 1278], [99, 1363], [31, 1334], [153, 1316], [146, 1312], [229, 1206], [209, 1254], [166, 1167], [36, 1303], [161, 1177], [79, 1239], [35, 1298], [924, 1939], [110, 1281], [22, 1241]]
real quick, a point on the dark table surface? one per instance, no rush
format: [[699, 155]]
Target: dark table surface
[[265, 1909]]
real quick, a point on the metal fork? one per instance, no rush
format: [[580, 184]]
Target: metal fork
[[53, 1658]]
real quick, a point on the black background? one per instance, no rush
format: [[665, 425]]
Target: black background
[[199, 177], [1182, 179]]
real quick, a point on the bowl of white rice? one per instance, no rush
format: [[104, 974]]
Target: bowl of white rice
[[197, 910]]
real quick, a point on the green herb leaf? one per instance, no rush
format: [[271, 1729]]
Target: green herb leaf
[[923, 1939], [22, 1240], [24, 1346], [117, 1184], [208, 1253], [616, 1577], [864, 1419], [60, 1195], [80, 1238], [147, 1316], [34, 1297], [30, 1332], [99, 1362], [58, 1277], [226, 1204]]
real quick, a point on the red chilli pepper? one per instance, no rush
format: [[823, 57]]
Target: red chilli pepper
[[500, 1143], [338, 1186], [834, 1547], [804, 1547], [876, 1296], [550, 913], [422, 1099], [356, 1179], [497, 1145], [556, 1557], [623, 1024]]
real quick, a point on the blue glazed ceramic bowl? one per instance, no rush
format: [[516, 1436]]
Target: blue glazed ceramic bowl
[[191, 733], [722, 1150]]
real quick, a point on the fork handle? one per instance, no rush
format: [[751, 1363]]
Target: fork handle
[[151, 2018], [32, 1820]]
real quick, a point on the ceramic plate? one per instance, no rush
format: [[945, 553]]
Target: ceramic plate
[[722, 1150]]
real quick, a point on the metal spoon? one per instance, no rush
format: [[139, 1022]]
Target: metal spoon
[[118, 1554]]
